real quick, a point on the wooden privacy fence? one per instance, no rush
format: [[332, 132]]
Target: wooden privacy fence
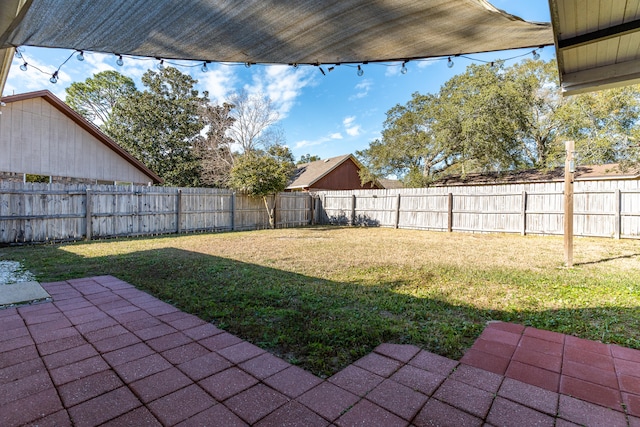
[[525, 209], [57, 212]]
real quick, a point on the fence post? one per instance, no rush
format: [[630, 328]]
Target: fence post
[[233, 211], [88, 214], [450, 212], [324, 208], [179, 212], [311, 200], [618, 214], [353, 209], [524, 213], [397, 210]]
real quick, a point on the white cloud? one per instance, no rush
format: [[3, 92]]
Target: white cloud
[[219, 82], [362, 89], [283, 84], [350, 127], [318, 141]]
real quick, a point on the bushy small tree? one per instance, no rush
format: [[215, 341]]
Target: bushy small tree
[[263, 174]]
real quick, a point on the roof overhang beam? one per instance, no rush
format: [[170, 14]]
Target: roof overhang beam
[[600, 35], [605, 77]]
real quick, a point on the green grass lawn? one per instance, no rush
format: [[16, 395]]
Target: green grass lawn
[[322, 297]]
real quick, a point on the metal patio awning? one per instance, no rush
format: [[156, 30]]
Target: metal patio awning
[[269, 31], [597, 43]]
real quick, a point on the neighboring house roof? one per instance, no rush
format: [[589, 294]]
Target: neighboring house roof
[[583, 173], [390, 183], [307, 174], [87, 126]]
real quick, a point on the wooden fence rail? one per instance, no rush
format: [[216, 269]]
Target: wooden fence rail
[[611, 212], [58, 212]]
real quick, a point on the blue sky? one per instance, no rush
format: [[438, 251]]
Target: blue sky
[[321, 115]]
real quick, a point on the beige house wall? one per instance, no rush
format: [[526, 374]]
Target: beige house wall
[[37, 138]]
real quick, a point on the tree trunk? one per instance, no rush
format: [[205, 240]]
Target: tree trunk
[[272, 220]]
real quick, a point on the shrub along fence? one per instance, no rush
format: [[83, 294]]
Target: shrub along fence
[[33, 212], [601, 208]]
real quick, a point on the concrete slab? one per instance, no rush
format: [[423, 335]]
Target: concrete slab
[[22, 293]]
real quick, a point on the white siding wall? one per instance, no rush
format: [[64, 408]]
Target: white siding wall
[[37, 138]]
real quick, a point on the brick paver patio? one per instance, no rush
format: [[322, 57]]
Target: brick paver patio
[[105, 353]]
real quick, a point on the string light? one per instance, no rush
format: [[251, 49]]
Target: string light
[[204, 65]]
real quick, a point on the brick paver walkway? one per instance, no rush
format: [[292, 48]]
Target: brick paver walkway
[[105, 353]]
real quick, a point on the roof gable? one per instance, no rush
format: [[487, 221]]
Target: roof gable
[[309, 173], [87, 126]]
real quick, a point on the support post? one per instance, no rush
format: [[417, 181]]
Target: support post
[[179, 212], [450, 212], [569, 169], [233, 211], [523, 231], [311, 209], [397, 210], [88, 214], [618, 215], [353, 209]]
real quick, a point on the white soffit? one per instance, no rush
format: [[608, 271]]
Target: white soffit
[[597, 43], [272, 31]]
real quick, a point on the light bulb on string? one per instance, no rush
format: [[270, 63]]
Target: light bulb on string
[[204, 68], [54, 78], [247, 64], [536, 55], [18, 53], [449, 63], [322, 71], [23, 67], [360, 71], [119, 61], [404, 70], [160, 65], [80, 56]]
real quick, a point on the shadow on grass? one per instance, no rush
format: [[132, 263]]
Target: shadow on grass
[[319, 324], [603, 260]]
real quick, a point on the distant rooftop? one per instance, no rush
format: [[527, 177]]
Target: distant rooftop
[[583, 173]]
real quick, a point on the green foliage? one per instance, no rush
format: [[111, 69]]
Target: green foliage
[[161, 126], [493, 118], [308, 158], [261, 174], [96, 97]]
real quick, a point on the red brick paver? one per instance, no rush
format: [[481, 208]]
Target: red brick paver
[[105, 353]]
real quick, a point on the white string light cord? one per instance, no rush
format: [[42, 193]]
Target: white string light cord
[[204, 65]]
